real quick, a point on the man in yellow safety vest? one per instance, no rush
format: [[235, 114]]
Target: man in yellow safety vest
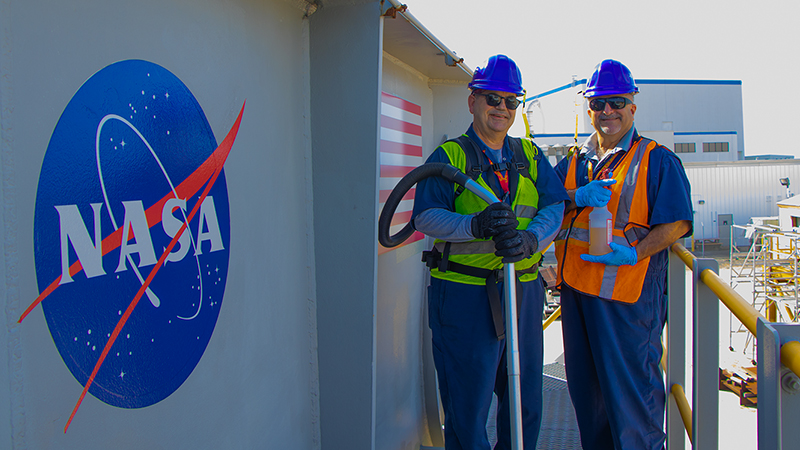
[[473, 240]]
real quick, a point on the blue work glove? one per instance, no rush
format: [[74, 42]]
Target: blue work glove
[[620, 255], [495, 218], [515, 245], [594, 193]]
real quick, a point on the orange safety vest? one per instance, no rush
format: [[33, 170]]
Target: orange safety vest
[[629, 214]]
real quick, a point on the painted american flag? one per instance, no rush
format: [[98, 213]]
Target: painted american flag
[[400, 153]]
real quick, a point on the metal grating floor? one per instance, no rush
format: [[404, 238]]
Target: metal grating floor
[[559, 428]]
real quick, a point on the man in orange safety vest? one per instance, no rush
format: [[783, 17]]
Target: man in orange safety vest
[[614, 304]]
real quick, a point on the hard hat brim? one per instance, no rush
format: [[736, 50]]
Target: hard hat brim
[[516, 90]]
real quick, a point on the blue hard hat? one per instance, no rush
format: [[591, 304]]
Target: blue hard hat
[[500, 74], [610, 78]]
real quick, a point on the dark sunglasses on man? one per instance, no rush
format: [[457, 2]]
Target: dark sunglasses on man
[[494, 100], [599, 104]]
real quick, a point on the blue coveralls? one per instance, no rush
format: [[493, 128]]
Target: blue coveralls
[[612, 350], [470, 361]]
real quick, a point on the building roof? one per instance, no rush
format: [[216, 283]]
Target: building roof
[[790, 202], [768, 157], [405, 38], [745, 163]]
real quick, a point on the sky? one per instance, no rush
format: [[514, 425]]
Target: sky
[[756, 42]]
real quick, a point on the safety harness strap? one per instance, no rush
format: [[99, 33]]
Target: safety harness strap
[[493, 292], [440, 260]]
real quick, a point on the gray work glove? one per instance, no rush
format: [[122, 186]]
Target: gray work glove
[[515, 245], [492, 220]]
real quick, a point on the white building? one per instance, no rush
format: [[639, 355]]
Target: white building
[[727, 193], [701, 120], [789, 214]]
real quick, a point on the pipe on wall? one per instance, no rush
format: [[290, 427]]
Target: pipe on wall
[[451, 59]]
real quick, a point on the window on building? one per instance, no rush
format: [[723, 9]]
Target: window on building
[[715, 147], [685, 147], [795, 222]]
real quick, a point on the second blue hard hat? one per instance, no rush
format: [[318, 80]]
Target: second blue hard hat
[[500, 74], [610, 77]]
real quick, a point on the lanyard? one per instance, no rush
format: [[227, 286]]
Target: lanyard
[[502, 176], [605, 169]]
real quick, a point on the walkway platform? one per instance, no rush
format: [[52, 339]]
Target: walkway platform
[[559, 429]]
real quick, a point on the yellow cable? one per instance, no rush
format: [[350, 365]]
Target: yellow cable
[[576, 128], [577, 114], [525, 115]]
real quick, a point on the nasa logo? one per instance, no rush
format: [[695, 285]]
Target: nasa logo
[[132, 204]]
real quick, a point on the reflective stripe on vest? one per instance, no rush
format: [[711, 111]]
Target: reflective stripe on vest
[[629, 210], [480, 252]]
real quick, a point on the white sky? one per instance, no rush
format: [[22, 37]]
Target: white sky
[[757, 42]]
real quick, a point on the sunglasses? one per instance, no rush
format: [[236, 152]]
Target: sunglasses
[[599, 104], [494, 100]]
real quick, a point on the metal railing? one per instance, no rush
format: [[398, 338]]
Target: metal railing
[[701, 420], [551, 318]]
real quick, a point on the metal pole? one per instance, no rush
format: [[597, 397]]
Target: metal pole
[[770, 427], [512, 355], [512, 338], [676, 351], [705, 356]]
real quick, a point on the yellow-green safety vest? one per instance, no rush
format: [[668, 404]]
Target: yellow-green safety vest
[[480, 252]]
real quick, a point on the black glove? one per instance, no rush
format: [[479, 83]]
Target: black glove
[[492, 220], [515, 245]]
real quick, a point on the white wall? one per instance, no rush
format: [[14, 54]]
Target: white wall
[[690, 106], [785, 215], [699, 155], [406, 418], [401, 299], [256, 385], [744, 189]]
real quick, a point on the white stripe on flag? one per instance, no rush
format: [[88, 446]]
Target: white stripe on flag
[[400, 114], [388, 134], [393, 159], [395, 229], [403, 206], [388, 183]]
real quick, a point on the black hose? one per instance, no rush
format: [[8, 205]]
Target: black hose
[[406, 183]]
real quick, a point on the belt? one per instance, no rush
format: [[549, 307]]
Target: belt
[[441, 261]]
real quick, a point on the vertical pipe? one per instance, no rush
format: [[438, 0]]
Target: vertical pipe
[[512, 339], [676, 346], [705, 379], [769, 398], [512, 355]]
